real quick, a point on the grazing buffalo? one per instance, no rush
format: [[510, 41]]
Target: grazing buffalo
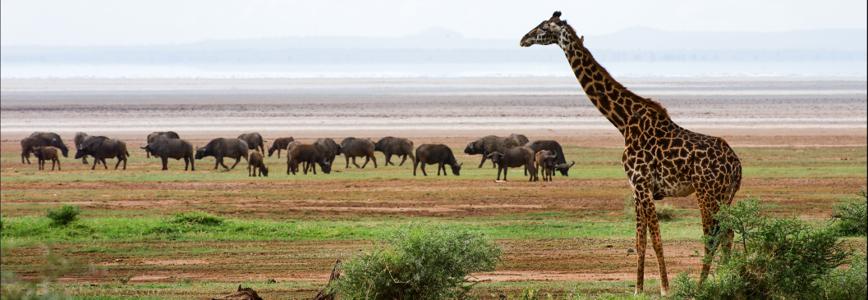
[[352, 147], [224, 147], [328, 148], [436, 154], [493, 143], [156, 134], [279, 144], [100, 148], [513, 158], [256, 163], [544, 162], [44, 153], [254, 141], [395, 146], [555, 147], [166, 148], [37, 139], [309, 155]]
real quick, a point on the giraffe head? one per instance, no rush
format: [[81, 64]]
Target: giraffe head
[[551, 31]]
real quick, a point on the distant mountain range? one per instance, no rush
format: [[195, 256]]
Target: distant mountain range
[[444, 46]]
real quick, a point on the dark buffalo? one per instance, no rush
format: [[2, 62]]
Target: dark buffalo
[[513, 158], [544, 162], [279, 144], [27, 146], [44, 153], [256, 163], [47, 139], [553, 146], [154, 135], [166, 148], [395, 146], [328, 148], [224, 147], [79, 139], [254, 141], [436, 154], [101, 147], [490, 144], [352, 147], [308, 155]]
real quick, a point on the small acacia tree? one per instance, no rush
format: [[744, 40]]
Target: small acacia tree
[[418, 263]]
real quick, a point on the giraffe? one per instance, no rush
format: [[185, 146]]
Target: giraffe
[[661, 159]]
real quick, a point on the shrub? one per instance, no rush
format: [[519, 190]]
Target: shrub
[[847, 283], [186, 222], [64, 215], [851, 216], [197, 218], [418, 263], [665, 212], [779, 258]]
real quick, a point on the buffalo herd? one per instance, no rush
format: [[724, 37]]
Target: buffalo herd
[[541, 157]]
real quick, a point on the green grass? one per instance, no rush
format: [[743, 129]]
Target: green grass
[[19, 231]]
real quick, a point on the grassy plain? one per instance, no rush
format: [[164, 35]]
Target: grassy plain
[[567, 236]]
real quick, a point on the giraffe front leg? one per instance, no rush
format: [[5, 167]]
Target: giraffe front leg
[[641, 243], [653, 226]]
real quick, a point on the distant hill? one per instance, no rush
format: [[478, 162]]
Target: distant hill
[[443, 46]]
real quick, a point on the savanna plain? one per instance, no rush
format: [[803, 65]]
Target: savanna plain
[[281, 234]]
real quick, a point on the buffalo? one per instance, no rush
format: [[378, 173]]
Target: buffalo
[[544, 162], [156, 134], [256, 163], [512, 158], [224, 147], [27, 146], [166, 148], [254, 141], [493, 143], [555, 147], [395, 146], [100, 148], [436, 154], [352, 147], [44, 153], [279, 144], [79, 139], [328, 148], [37, 139], [309, 155]]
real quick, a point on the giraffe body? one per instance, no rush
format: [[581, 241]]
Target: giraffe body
[[661, 159]]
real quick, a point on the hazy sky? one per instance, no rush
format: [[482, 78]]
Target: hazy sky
[[113, 22]]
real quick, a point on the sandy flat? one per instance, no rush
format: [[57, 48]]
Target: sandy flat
[[756, 112]]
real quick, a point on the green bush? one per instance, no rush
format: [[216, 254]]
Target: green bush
[[187, 222], [197, 218], [851, 216], [418, 263], [64, 215], [775, 258], [665, 212], [849, 283]]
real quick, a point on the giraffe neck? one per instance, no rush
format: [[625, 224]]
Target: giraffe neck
[[619, 105]]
